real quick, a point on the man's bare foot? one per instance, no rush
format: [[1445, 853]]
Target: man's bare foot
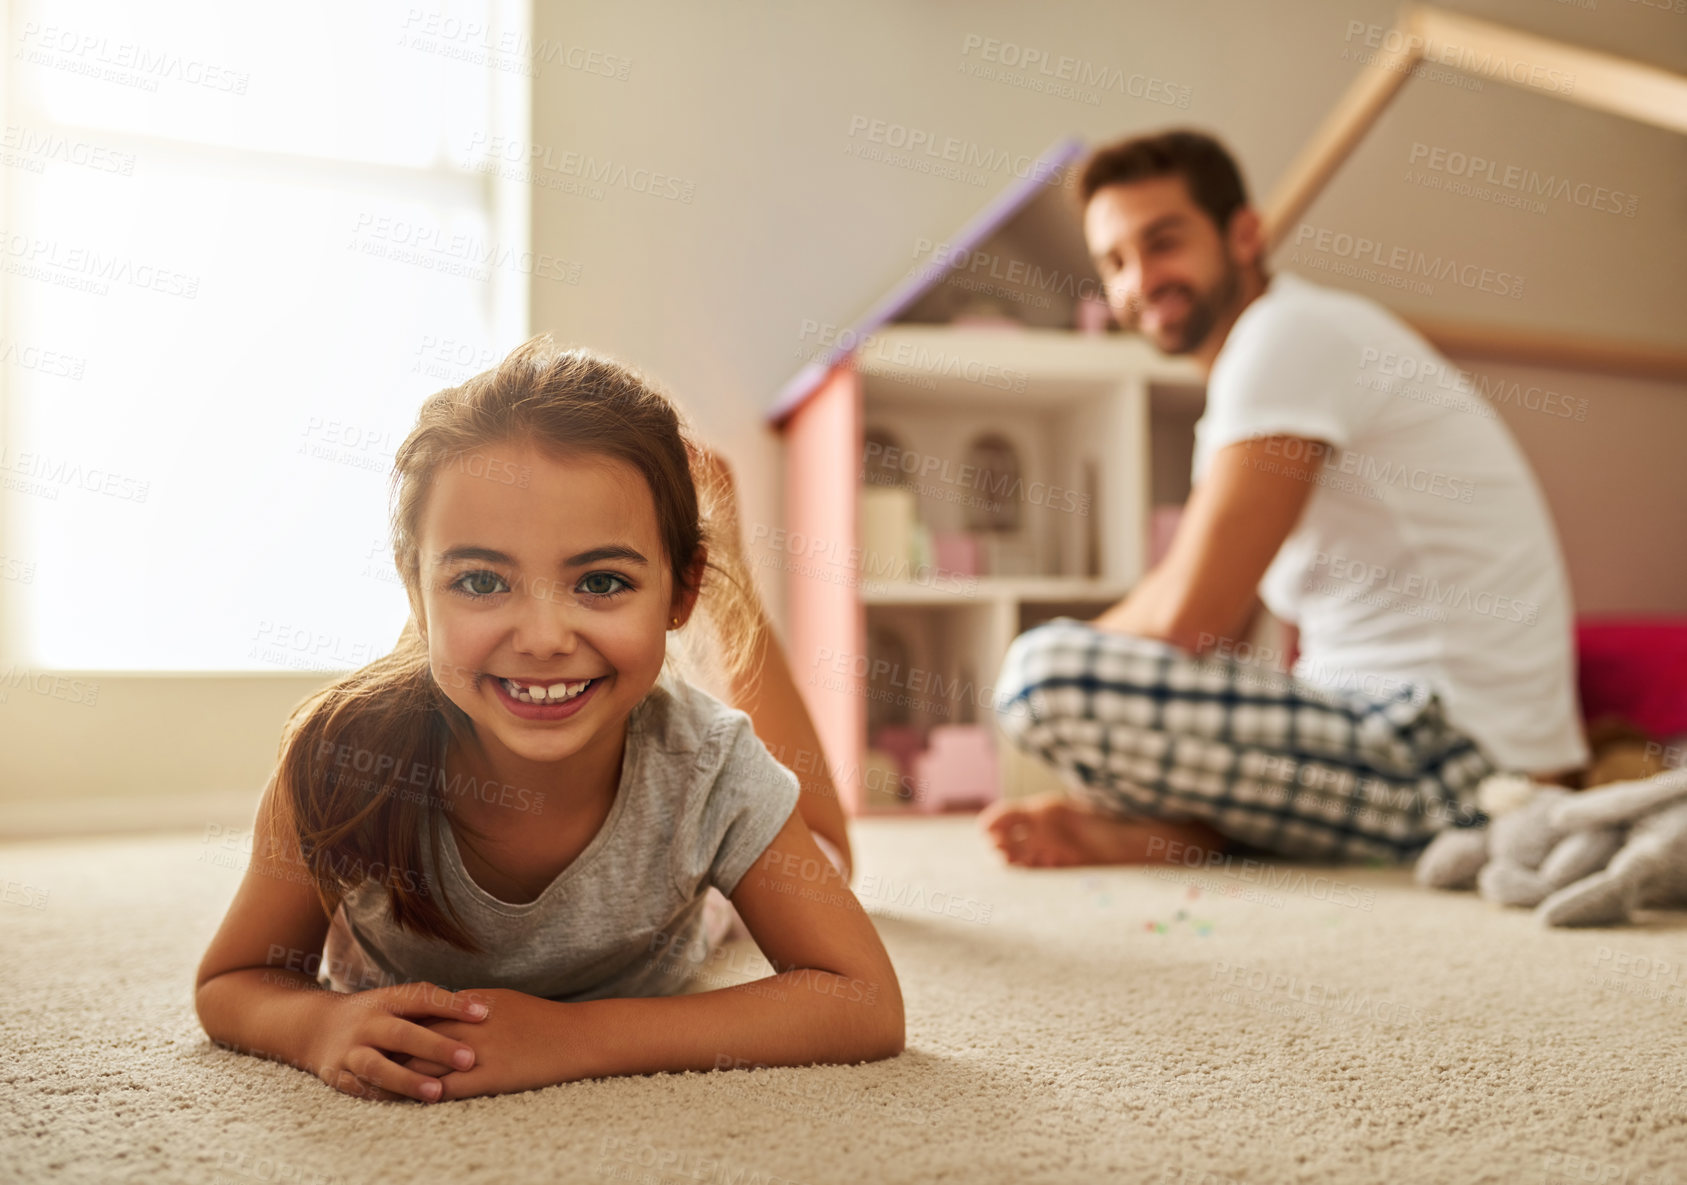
[[1054, 831]]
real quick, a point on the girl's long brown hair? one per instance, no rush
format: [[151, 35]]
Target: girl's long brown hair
[[362, 759]]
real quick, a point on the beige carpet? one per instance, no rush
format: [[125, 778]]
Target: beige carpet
[[1079, 1025]]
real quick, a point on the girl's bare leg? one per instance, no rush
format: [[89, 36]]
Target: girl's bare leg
[[770, 696]]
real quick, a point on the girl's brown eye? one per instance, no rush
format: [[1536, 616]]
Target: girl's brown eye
[[475, 583], [616, 586]]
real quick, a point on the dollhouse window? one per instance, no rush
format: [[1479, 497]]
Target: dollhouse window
[[996, 461]]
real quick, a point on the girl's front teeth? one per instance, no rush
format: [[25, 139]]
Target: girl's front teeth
[[555, 693]]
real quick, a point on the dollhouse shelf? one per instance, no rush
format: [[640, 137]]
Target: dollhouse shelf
[[938, 360], [995, 589]]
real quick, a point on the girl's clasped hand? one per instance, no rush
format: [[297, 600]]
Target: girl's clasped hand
[[384, 1043]]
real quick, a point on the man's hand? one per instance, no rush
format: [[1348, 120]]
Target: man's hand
[[1233, 525]]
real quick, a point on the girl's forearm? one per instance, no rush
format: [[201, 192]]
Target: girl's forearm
[[267, 1012], [796, 1018]]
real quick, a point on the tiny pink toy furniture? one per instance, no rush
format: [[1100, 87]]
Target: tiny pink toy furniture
[[958, 770], [958, 553], [901, 741]]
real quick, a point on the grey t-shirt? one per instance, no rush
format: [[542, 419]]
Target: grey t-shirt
[[700, 799]]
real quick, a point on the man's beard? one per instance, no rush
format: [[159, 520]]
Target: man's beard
[[1205, 308]]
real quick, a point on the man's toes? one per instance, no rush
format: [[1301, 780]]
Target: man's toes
[[1036, 847], [1013, 839], [1008, 833], [1052, 858], [1001, 818]]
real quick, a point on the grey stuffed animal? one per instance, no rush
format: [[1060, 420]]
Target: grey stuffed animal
[[1581, 859]]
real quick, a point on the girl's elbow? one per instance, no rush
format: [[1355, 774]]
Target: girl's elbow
[[204, 1008], [888, 1044], [890, 1036]]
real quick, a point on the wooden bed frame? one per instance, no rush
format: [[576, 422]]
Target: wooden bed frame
[[1601, 81]]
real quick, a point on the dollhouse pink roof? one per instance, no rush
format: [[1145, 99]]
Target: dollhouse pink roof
[[992, 218]]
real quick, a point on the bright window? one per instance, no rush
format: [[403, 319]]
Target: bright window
[[241, 244]]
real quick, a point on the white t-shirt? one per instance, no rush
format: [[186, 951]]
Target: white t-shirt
[[1426, 552]]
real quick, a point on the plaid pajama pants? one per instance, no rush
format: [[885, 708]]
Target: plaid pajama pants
[[1139, 728]]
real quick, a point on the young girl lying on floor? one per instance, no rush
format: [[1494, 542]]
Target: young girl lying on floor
[[507, 830]]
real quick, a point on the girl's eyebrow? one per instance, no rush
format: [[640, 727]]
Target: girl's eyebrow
[[611, 551]]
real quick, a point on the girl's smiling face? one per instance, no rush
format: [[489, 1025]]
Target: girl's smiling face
[[552, 580]]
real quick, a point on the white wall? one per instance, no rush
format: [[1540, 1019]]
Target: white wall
[[1616, 482], [752, 104]]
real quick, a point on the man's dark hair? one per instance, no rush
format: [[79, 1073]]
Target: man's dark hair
[[1207, 168]]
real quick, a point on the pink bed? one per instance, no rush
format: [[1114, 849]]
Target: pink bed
[[1636, 668]]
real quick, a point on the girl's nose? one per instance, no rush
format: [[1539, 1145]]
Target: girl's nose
[[549, 620]]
